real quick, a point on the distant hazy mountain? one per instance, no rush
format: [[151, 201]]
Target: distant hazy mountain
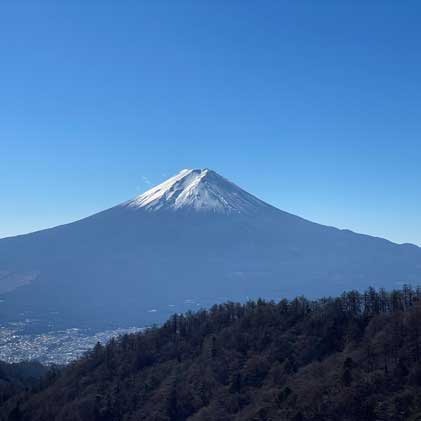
[[195, 239]]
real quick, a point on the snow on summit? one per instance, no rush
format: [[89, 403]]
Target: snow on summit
[[200, 190]]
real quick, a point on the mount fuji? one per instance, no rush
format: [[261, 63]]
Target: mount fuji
[[191, 241]]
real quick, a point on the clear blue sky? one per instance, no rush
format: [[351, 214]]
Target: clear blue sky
[[314, 106]]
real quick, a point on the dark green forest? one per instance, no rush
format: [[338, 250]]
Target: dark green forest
[[19, 377], [355, 357]]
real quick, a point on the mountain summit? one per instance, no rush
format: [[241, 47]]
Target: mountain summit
[[201, 190], [192, 241]]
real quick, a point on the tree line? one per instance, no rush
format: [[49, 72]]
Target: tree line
[[353, 357]]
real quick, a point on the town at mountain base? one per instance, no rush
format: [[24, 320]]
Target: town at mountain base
[[352, 358]]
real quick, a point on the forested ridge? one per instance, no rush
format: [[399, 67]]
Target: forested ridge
[[18, 377], [355, 357]]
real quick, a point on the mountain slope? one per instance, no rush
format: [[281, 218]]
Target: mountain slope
[[350, 358], [194, 240]]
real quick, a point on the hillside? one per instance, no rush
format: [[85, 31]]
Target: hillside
[[357, 357], [192, 241], [18, 377]]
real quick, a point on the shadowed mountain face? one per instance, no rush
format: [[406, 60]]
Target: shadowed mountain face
[[196, 237]]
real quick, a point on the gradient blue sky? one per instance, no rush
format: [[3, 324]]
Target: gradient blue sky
[[314, 106]]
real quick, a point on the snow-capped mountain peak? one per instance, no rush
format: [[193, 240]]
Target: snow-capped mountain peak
[[199, 190]]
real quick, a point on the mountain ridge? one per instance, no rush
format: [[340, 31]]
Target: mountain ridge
[[352, 357]]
